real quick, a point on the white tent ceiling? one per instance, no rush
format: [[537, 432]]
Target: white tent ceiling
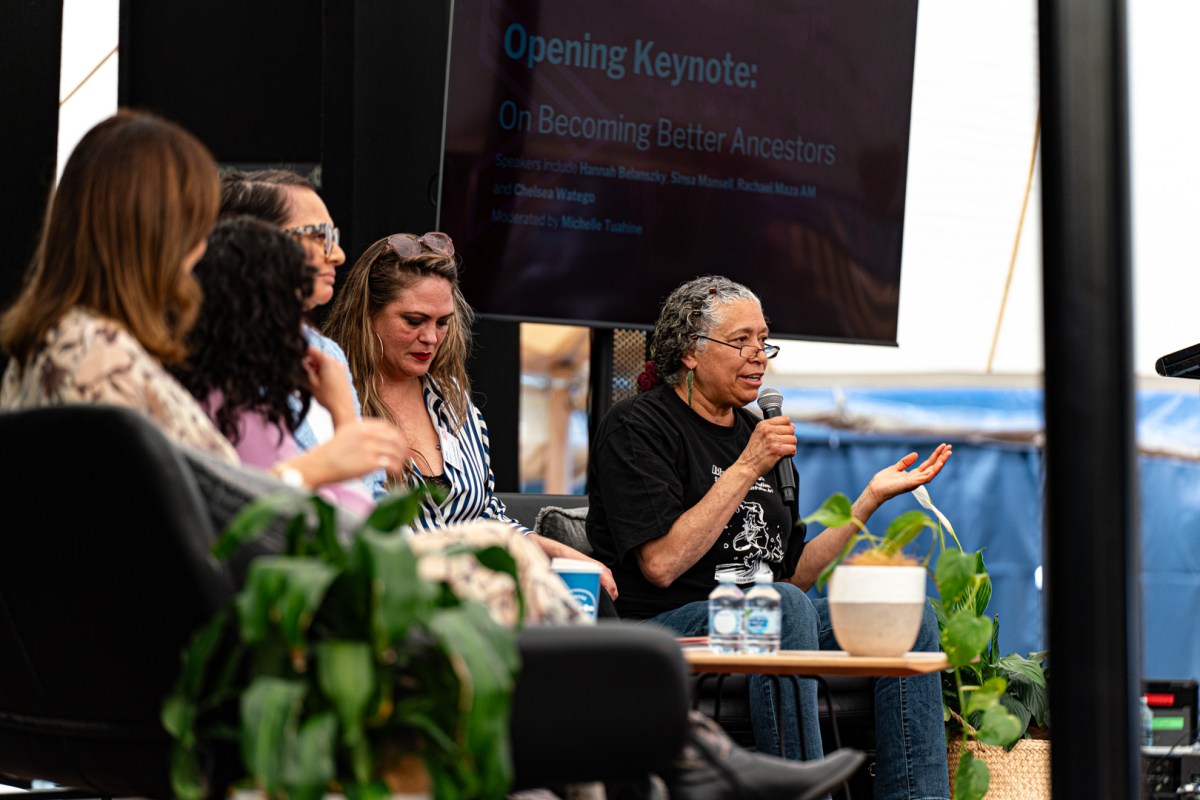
[[975, 106]]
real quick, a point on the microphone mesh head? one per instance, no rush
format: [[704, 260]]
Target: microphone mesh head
[[770, 398]]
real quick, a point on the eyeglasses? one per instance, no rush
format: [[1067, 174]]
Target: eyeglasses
[[322, 230], [407, 245], [748, 351]]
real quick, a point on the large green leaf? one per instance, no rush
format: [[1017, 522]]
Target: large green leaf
[[270, 718], [257, 599], [362, 764], [284, 591], [305, 584], [346, 675], [327, 542], [833, 513], [484, 658], [999, 727], [400, 598], [1034, 698], [965, 636], [953, 575], [983, 589], [971, 779], [1019, 710], [309, 766], [903, 529], [187, 779], [1021, 668], [985, 697]]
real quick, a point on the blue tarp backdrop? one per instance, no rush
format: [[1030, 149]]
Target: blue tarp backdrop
[[991, 491]]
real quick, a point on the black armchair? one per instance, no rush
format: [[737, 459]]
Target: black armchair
[[106, 572]]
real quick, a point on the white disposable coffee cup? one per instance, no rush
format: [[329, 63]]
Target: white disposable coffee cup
[[582, 579]]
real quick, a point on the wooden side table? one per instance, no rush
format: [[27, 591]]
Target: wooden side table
[[810, 663], [815, 662]]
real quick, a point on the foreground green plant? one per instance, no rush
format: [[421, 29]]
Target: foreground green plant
[[964, 590], [334, 657]]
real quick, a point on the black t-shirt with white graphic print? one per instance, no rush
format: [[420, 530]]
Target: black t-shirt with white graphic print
[[654, 458]]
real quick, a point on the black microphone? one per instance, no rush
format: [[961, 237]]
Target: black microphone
[[771, 403], [1183, 363]]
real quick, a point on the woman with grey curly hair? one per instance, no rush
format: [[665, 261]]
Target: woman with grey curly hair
[[691, 309], [682, 493]]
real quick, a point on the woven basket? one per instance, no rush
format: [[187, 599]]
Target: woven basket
[[1021, 774]]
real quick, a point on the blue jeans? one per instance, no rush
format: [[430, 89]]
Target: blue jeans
[[910, 740]]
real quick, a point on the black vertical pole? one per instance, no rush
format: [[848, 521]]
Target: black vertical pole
[[30, 58], [1091, 536], [601, 376]]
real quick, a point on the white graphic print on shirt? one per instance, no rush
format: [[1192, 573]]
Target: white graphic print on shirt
[[753, 547]]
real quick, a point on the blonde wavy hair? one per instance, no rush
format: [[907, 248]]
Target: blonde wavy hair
[[376, 280]]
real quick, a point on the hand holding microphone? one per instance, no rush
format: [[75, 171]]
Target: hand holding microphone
[[771, 403]]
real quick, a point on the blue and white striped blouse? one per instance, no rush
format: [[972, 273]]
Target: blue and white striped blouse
[[466, 460]]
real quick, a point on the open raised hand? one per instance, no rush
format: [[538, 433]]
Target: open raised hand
[[898, 478]]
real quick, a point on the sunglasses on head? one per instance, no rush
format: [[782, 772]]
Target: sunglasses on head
[[324, 231], [407, 245]]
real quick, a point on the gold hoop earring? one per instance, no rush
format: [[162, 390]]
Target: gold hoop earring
[[691, 372]]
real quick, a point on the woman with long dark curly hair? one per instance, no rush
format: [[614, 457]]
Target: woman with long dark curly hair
[[251, 356], [248, 269]]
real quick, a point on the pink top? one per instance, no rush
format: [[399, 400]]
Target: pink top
[[263, 444]]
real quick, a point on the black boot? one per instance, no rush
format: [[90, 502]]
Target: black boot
[[712, 767]]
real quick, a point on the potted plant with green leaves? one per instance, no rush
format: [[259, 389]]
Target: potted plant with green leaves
[[1022, 767], [965, 633], [877, 589], [337, 669]]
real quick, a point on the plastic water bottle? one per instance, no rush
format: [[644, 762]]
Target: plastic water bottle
[[764, 617], [725, 617], [1147, 723]]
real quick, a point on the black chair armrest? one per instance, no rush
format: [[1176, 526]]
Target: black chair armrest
[[600, 703], [524, 507]]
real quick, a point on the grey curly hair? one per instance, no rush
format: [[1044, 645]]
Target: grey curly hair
[[691, 309]]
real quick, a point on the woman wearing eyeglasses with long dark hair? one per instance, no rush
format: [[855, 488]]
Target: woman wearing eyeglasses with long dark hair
[[405, 326], [290, 202]]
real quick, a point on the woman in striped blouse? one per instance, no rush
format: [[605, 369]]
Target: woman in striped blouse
[[405, 328]]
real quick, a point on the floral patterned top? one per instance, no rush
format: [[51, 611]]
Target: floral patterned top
[[90, 359]]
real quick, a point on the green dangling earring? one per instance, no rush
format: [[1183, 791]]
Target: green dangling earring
[[691, 372]]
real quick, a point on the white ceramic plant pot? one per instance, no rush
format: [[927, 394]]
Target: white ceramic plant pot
[[876, 610]]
